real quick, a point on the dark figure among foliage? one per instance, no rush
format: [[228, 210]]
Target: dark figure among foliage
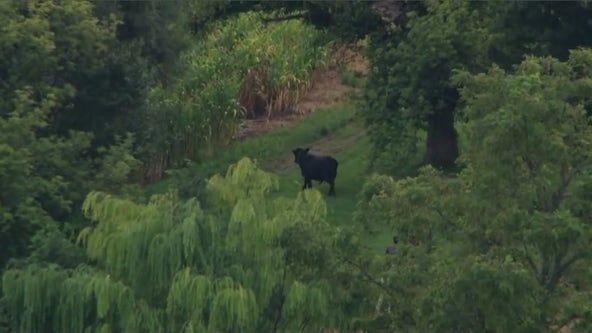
[[321, 168], [394, 247]]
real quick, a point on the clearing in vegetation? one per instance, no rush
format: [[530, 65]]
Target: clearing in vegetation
[[328, 126]]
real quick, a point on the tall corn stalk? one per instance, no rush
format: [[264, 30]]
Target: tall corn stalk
[[288, 57]]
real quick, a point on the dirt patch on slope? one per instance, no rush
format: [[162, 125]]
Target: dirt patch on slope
[[326, 91], [329, 145], [355, 62]]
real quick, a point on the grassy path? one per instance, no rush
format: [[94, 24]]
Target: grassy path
[[349, 146]]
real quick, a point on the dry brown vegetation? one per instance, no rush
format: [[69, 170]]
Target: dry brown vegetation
[[325, 90]]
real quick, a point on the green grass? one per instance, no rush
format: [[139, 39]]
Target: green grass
[[351, 175]]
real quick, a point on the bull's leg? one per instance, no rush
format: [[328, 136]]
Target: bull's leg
[[332, 189], [307, 183]]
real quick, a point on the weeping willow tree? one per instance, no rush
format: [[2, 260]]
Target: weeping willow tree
[[246, 261]]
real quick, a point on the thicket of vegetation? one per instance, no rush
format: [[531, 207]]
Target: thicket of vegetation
[[254, 262], [92, 96], [508, 238], [241, 68], [478, 115]]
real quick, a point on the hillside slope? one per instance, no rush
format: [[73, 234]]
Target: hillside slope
[[326, 123]]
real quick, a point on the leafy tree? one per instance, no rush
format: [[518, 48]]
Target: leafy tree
[[61, 48], [246, 261], [44, 176], [163, 30], [505, 245], [345, 20], [39, 177], [540, 148], [57, 96], [409, 84]]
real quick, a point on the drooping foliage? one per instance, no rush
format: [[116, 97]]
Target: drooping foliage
[[505, 245], [247, 262]]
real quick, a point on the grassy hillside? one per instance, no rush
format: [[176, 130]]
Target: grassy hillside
[[334, 130]]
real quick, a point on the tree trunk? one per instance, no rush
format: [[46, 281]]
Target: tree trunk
[[441, 144]]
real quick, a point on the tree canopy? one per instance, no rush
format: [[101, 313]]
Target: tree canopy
[[409, 96], [505, 245]]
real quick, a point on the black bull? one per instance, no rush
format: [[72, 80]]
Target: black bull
[[320, 168]]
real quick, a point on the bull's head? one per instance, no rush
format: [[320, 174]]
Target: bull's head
[[299, 154]]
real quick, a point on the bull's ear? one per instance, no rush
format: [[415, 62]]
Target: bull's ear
[[306, 150]]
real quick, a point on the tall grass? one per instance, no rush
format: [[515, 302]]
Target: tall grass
[[241, 68], [285, 61]]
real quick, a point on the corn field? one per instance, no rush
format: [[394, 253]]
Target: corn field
[[241, 69]]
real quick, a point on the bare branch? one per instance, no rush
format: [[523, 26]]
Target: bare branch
[[368, 276], [544, 271], [566, 179], [553, 273], [560, 269], [532, 167]]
